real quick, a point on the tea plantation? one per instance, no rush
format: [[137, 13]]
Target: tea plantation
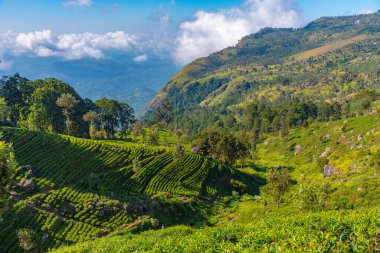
[[71, 190], [332, 231], [344, 218]]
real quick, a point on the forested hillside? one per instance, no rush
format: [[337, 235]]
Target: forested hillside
[[278, 78], [272, 145], [51, 105]]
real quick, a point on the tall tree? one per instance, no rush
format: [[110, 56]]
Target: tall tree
[[67, 102], [126, 117], [136, 131], [46, 115], [91, 117], [5, 111], [278, 183], [8, 166], [108, 115], [154, 135], [15, 89], [114, 116]]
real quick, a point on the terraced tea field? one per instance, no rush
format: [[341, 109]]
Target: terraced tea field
[[82, 189]]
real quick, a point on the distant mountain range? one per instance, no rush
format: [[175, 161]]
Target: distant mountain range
[[118, 77]]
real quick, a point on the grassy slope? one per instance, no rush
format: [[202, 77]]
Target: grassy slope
[[356, 184], [251, 225], [269, 45], [333, 231], [329, 59], [86, 189], [353, 152], [331, 47]]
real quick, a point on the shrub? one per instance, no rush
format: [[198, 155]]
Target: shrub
[[27, 239], [311, 198], [278, 183]]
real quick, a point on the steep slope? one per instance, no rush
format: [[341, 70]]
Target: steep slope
[[344, 216], [76, 189], [350, 147], [330, 58]]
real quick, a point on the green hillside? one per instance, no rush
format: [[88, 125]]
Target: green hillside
[[331, 60], [323, 232], [272, 145], [83, 189], [340, 214], [351, 147], [346, 219]]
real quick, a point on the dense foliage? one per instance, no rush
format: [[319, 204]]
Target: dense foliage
[[53, 106], [224, 147], [279, 78], [295, 111], [8, 165]]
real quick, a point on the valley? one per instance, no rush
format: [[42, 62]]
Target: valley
[[271, 145]]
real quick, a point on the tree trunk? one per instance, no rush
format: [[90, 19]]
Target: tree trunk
[[68, 123]]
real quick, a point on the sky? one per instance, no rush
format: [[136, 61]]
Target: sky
[[40, 35], [183, 29]]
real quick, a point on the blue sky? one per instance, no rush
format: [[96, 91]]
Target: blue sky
[[64, 38], [133, 16], [183, 30]]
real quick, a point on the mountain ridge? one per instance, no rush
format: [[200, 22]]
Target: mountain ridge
[[269, 46], [325, 61]]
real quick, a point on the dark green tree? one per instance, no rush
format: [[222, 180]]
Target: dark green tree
[[114, 116], [221, 146], [67, 102], [277, 184], [46, 115], [5, 111], [15, 89], [8, 167]]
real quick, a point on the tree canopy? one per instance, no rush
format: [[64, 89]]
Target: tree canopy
[[54, 106]]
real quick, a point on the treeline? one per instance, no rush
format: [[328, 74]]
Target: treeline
[[284, 113], [53, 106], [267, 116]]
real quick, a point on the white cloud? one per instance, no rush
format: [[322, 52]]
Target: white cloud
[[210, 32], [160, 34], [141, 58], [68, 46], [77, 46], [78, 3], [366, 11], [30, 40]]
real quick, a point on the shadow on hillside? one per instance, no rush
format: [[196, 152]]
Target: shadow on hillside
[[89, 168], [258, 177], [252, 182]]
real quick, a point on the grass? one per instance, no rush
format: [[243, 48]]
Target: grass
[[349, 221], [331, 47], [333, 231], [86, 189]]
